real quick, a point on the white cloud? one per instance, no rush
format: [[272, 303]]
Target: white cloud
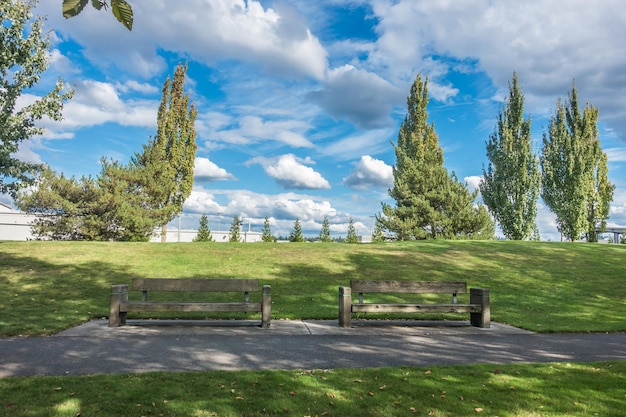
[[276, 39], [370, 141], [616, 154], [473, 181], [370, 173], [360, 97], [97, 102], [534, 38], [291, 172], [206, 170]]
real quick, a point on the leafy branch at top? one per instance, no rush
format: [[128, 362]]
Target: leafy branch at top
[[122, 11]]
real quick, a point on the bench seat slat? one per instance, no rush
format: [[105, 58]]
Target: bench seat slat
[[189, 307], [416, 308], [414, 287], [195, 284]]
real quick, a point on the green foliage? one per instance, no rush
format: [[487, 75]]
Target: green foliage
[[24, 57], [296, 234], [109, 208], [165, 165], [122, 11], [325, 232], [351, 237], [511, 185], [204, 234], [235, 230], [429, 203], [574, 171], [267, 232]]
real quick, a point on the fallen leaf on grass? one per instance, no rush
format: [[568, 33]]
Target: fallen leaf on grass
[[478, 410]]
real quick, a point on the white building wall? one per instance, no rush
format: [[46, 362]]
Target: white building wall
[[15, 225]]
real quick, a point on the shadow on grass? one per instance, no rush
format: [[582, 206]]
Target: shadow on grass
[[45, 297]]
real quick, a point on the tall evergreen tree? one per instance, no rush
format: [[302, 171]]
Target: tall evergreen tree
[[24, 56], [204, 234], [296, 234], [574, 171], [429, 202], [267, 232], [325, 232], [235, 230], [511, 185], [352, 236], [165, 166]]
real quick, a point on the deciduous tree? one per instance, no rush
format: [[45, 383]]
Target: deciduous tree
[[24, 50], [430, 203], [165, 165], [122, 11], [511, 184], [574, 171]]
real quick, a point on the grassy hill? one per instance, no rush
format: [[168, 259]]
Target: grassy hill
[[548, 287]]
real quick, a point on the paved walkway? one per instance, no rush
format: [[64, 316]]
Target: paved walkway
[[177, 346]]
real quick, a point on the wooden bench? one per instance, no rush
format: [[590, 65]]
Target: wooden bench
[[120, 304], [478, 308]]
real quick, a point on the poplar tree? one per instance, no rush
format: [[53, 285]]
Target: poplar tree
[[296, 234], [511, 184], [325, 232], [574, 171], [165, 166], [267, 232], [352, 236], [430, 203], [24, 56]]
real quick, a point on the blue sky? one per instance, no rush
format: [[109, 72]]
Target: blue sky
[[298, 100]]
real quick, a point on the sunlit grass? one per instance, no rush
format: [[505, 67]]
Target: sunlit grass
[[559, 389], [46, 287]]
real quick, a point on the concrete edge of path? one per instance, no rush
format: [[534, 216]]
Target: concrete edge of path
[[100, 329]]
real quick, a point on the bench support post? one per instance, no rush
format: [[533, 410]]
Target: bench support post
[[345, 306], [119, 294], [480, 296], [266, 307]]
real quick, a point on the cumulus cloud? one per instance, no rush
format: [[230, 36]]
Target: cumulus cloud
[[370, 173], [360, 97], [276, 39], [500, 37], [98, 102], [206, 170], [291, 172]]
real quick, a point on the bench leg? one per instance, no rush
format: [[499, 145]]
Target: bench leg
[[345, 306], [266, 307], [480, 296], [119, 293]]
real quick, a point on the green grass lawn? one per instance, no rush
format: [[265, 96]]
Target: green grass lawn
[[46, 287], [547, 287], [597, 389]]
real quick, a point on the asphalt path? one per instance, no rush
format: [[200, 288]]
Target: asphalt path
[[176, 346]]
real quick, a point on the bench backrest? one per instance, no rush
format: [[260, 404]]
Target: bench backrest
[[195, 284], [415, 287]]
